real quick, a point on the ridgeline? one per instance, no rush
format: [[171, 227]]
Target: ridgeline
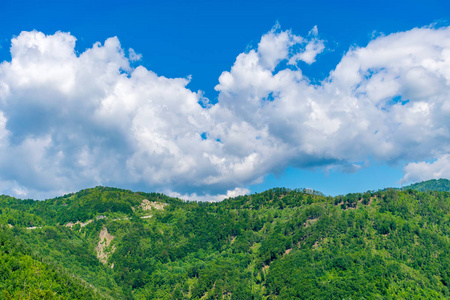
[[108, 243]]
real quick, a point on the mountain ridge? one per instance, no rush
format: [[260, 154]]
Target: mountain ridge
[[281, 243], [439, 185]]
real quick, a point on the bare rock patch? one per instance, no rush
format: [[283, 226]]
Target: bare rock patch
[[147, 205], [103, 245]]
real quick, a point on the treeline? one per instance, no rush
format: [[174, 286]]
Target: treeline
[[437, 185]]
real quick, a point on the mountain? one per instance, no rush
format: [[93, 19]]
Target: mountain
[[27, 275], [442, 185], [279, 244]]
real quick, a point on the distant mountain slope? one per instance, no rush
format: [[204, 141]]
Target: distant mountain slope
[[440, 185], [278, 244]]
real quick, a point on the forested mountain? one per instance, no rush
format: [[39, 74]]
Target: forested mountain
[[279, 244], [442, 185]]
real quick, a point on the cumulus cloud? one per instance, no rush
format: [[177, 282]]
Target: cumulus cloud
[[419, 171], [210, 198], [387, 101], [69, 120]]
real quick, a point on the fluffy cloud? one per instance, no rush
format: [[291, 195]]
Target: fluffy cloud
[[387, 101], [210, 198], [419, 171], [69, 121]]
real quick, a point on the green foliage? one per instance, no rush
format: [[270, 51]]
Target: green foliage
[[440, 185], [26, 275], [279, 244]]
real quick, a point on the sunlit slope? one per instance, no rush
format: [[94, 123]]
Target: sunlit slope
[[27, 275], [279, 244], [442, 185]]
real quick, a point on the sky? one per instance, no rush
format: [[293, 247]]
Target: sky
[[205, 100]]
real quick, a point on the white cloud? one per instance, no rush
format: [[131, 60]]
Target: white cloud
[[211, 198], [133, 55], [387, 101], [275, 46], [70, 121], [313, 48], [419, 171]]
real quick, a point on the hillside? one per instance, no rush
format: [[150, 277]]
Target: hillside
[[277, 244], [442, 185], [27, 275]]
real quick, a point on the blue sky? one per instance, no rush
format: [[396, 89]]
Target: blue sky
[[86, 133], [203, 38]]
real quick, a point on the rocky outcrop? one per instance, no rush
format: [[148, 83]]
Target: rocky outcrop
[[103, 250]]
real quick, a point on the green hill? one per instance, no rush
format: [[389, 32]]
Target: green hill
[[442, 185], [279, 244], [27, 275]]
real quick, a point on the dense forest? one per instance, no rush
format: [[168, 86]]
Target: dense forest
[[108, 243], [439, 185]]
